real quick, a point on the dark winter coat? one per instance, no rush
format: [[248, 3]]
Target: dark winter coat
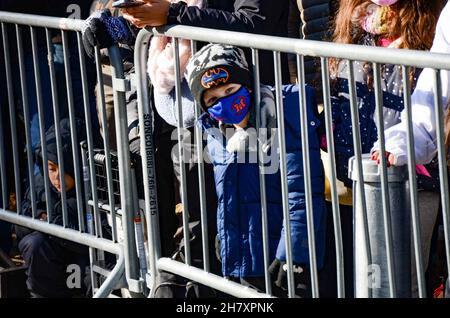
[[55, 214]]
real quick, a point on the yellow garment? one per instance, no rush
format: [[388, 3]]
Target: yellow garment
[[345, 194]]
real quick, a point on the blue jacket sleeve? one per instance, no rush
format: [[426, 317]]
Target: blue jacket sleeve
[[296, 181]]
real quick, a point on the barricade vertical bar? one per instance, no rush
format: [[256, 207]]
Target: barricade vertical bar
[[180, 130], [73, 132], [89, 133], [12, 117], [102, 110], [27, 121], [131, 259], [332, 166], [283, 170], [201, 182], [307, 175], [89, 226], [94, 281], [113, 278], [139, 228], [443, 169], [358, 151], [412, 183], [4, 188], [84, 162], [56, 116], [384, 182], [37, 77], [262, 178], [147, 153]]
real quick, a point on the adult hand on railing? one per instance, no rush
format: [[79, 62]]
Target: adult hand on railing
[[389, 156], [278, 271], [152, 13], [104, 30]]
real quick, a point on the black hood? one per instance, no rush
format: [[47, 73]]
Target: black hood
[[66, 144]]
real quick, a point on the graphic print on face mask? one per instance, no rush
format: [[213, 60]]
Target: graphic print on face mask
[[233, 108], [384, 2], [215, 77]]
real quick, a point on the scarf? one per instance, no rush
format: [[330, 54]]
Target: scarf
[[161, 62], [376, 19]]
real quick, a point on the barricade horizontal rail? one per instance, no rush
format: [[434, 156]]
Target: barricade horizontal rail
[[377, 250], [117, 272], [308, 47], [41, 21]]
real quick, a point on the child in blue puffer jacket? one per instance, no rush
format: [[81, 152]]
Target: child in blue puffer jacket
[[221, 84]]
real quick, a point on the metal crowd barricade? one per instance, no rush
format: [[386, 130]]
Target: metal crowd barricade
[[301, 48], [127, 272], [118, 179]]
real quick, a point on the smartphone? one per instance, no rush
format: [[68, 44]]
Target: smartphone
[[127, 3]]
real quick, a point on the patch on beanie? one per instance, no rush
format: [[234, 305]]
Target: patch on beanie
[[214, 77]]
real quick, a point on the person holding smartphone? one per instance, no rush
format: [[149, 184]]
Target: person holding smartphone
[[266, 17]]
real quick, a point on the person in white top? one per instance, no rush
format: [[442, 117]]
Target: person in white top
[[424, 128], [423, 114]]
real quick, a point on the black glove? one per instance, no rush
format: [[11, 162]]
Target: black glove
[[278, 272], [104, 30]]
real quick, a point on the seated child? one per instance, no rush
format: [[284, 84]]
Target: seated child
[[48, 257], [221, 84]]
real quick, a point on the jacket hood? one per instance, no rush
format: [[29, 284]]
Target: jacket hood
[[66, 144]]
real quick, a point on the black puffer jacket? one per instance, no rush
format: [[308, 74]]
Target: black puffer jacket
[[312, 17], [310, 20]]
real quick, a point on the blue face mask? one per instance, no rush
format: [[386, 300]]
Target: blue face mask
[[233, 108]]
